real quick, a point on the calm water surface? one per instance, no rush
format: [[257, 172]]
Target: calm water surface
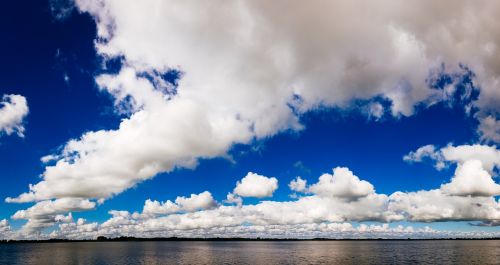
[[257, 252]]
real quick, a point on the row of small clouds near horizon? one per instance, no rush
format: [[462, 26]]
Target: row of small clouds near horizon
[[248, 71], [322, 209]]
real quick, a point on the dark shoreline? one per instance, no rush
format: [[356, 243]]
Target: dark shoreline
[[160, 239]]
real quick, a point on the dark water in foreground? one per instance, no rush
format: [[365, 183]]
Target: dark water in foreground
[[255, 252]]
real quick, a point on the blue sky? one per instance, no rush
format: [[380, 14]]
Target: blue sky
[[52, 55]]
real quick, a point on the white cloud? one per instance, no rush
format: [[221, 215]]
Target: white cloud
[[233, 199], [426, 151], [327, 230], [332, 230], [156, 207], [64, 218], [298, 185], [471, 179], [488, 155], [314, 215], [103, 163], [48, 158], [307, 48], [474, 172], [76, 230], [308, 209], [375, 110], [469, 194], [5, 229], [13, 110], [435, 205], [4, 225], [195, 202], [202, 201], [46, 213], [489, 128], [254, 185], [330, 207], [342, 184]]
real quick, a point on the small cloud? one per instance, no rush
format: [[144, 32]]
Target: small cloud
[[426, 151], [13, 110], [489, 128], [375, 111], [66, 78], [48, 158], [61, 9], [298, 185], [300, 166], [254, 185]]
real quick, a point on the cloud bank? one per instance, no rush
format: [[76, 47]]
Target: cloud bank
[[324, 208]]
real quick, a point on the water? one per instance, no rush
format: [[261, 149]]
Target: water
[[255, 252]]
